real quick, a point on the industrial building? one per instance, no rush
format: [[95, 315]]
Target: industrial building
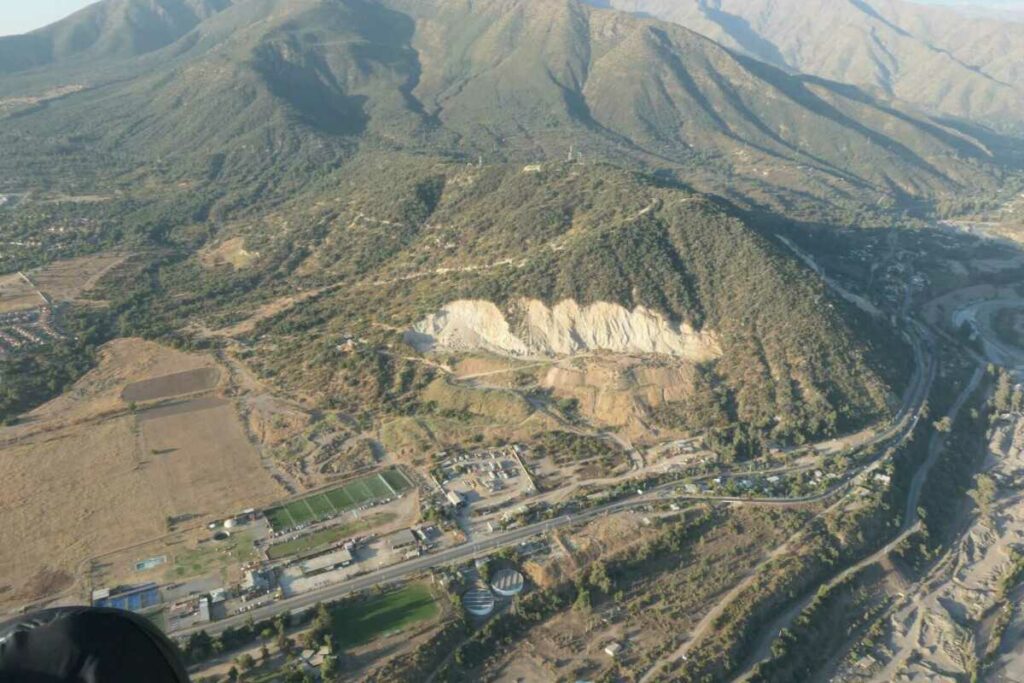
[[133, 598], [402, 539], [328, 562], [257, 582], [456, 499]]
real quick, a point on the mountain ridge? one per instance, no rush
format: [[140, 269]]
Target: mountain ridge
[[506, 79], [933, 57]]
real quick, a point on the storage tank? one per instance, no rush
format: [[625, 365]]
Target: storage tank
[[478, 601], [507, 583]]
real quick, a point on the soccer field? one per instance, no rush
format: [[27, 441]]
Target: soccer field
[[359, 622], [326, 504]]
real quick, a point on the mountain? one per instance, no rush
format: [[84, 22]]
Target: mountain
[[450, 255], [541, 162], [261, 88], [107, 30], [933, 57]]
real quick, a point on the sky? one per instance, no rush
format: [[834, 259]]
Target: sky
[[22, 16]]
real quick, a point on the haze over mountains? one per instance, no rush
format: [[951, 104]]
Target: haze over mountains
[[188, 80], [930, 56]]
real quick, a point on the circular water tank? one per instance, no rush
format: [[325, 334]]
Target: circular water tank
[[479, 602], [507, 583], [230, 523]]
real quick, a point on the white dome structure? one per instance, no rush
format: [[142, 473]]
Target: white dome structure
[[478, 601], [507, 583]]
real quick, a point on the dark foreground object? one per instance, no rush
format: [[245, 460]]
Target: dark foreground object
[[86, 645]]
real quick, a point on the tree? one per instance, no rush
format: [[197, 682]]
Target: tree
[[232, 674], [599, 577], [284, 644], [984, 493], [583, 601], [246, 662], [945, 425], [1003, 397], [329, 669], [264, 654], [199, 646]]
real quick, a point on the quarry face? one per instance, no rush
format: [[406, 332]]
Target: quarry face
[[533, 329]]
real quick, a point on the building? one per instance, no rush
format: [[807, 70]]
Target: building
[[133, 598], [402, 539], [613, 649], [257, 581], [204, 610], [328, 562], [456, 499]]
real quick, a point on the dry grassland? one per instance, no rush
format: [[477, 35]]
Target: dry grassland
[[67, 280], [16, 294], [84, 478]]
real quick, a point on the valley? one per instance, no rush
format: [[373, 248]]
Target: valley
[[518, 340]]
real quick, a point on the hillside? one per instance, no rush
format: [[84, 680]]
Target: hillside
[[774, 348], [267, 93], [106, 30], [934, 57]]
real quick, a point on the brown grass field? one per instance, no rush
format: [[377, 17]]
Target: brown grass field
[[122, 363], [16, 294], [68, 280], [84, 478]]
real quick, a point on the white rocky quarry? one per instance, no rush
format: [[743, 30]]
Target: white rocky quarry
[[536, 330]]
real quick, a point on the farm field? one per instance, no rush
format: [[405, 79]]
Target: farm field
[[326, 504], [84, 478], [360, 622], [176, 384], [99, 392], [67, 280]]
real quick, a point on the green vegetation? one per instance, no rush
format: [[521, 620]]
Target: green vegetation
[[451, 400], [568, 447], [791, 369], [326, 537], [361, 620], [1004, 323], [837, 614], [212, 556], [329, 503], [30, 379]]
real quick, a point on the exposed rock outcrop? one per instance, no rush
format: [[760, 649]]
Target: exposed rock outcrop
[[534, 329]]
